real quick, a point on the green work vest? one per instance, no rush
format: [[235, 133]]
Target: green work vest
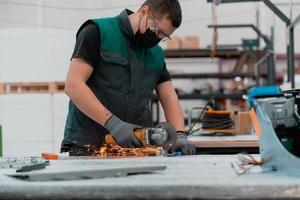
[[123, 81]]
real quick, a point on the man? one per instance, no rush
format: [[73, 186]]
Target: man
[[115, 67]]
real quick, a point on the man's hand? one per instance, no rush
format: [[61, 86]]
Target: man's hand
[[183, 145], [122, 132]]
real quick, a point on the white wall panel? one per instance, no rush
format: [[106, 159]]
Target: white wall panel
[[32, 55], [25, 119], [14, 148], [60, 110], [32, 123]]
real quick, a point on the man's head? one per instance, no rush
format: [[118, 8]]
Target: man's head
[[162, 17], [156, 20]]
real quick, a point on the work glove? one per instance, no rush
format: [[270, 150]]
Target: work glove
[[183, 145], [122, 132]]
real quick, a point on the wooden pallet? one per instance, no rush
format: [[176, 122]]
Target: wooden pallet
[[30, 87]]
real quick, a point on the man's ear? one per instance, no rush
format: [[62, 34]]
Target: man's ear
[[143, 11]]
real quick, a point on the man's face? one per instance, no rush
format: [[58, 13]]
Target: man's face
[[161, 25]]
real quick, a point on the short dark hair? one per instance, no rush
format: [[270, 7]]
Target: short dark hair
[[171, 8]]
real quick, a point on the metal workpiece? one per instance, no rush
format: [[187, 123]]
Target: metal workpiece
[[186, 177], [87, 174], [23, 164]]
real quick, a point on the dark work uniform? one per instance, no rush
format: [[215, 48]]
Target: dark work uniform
[[123, 84]]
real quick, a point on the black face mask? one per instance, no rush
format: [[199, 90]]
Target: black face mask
[[146, 40]]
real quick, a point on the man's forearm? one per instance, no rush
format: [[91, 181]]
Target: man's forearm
[[174, 114], [172, 110], [83, 97], [171, 106]]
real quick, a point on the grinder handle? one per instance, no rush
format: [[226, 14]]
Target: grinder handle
[[139, 134], [110, 140]]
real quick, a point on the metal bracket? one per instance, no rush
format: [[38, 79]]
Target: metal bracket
[[295, 22]]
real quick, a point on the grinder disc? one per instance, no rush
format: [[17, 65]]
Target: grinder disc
[[172, 135]]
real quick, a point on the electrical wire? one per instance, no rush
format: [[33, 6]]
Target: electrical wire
[[215, 122], [199, 119], [245, 163]]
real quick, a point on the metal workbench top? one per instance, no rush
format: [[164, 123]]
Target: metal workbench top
[[189, 177]]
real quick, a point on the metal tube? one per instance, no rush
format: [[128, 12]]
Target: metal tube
[[291, 9], [257, 65], [295, 22], [278, 12], [291, 56], [257, 15]]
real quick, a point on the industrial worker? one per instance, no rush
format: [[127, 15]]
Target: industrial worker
[[115, 67]]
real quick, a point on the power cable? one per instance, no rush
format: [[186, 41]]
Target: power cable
[[199, 119]]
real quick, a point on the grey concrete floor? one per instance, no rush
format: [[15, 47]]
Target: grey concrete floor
[[189, 177]]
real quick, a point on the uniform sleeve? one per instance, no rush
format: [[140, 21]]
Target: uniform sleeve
[[164, 76], [87, 45]]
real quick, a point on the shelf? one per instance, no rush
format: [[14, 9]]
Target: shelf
[[214, 75], [206, 53], [225, 141], [235, 96]]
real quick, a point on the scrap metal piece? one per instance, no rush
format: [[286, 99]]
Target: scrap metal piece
[[38, 166], [87, 174], [115, 151], [23, 164]]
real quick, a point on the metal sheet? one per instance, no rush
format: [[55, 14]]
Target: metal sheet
[[87, 174]]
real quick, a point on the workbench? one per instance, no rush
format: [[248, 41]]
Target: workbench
[[188, 177], [225, 143]]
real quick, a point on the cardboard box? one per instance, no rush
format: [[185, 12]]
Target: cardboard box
[[175, 43], [191, 42]]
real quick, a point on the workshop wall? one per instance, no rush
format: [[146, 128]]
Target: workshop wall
[[35, 55], [32, 123]]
